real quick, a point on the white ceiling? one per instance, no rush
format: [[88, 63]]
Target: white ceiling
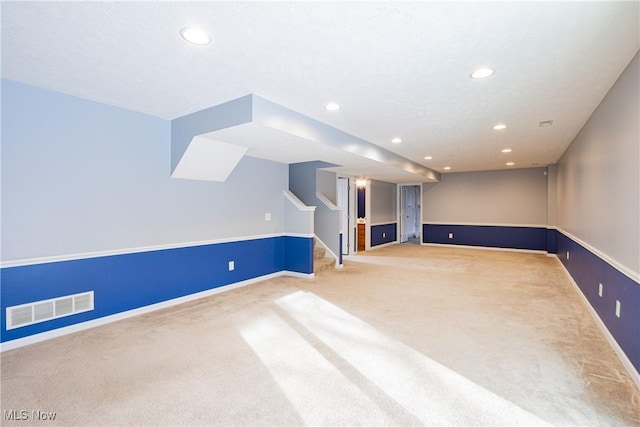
[[267, 143], [397, 68]]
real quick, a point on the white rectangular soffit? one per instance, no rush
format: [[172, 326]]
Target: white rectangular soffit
[[41, 311], [208, 160]]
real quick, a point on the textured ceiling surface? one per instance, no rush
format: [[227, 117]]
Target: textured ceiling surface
[[398, 69]]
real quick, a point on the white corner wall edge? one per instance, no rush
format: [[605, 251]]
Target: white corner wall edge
[[635, 375], [44, 336]]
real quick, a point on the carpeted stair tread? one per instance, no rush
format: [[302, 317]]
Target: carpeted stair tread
[[322, 264]]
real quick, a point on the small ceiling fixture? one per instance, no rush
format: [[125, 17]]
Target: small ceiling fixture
[[506, 150], [428, 157], [195, 35], [545, 123], [500, 126], [447, 168], [396, 140], [510, 163], [332, 106], [361, 183], [481, 73]]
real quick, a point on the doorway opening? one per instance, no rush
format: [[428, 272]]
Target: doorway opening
[[410, 213]]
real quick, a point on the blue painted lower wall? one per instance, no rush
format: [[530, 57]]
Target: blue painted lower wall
[[589, 270], [129, 281], [552, 241], [509, 237], [383, 233], [298, 256]]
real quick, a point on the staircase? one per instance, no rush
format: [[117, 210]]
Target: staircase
[[320, 261]]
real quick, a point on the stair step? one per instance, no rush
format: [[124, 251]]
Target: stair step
[[319, 253], [322, 264]]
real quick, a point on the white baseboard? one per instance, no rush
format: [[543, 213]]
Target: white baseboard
[[635, 375], [43, 336], [485, 248], [384, 245], [299, 275]]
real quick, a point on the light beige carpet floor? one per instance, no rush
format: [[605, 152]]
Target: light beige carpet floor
[[404, 335]]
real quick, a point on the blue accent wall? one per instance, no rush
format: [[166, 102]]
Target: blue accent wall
[[508, 237], [588, 270], [389, 231], [552, 241], [129, 281], [299, 254]]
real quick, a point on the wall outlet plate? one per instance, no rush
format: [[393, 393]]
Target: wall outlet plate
[[618, 309], [232, 265], [451, 235], [600, 289]]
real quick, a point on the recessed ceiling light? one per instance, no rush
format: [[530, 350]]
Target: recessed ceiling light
[[545, 123], [428, 158], [332, 106], [195, 35], [447, 168], [499, 126], [510, 163], [506, 150], [396, 140], [481, 73]]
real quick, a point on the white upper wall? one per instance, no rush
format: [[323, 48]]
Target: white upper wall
[[79, 176], [383, 202], [599, 175], [327, 184], [513, 197]]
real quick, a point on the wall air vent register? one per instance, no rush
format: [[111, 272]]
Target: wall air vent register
[[41, 311]]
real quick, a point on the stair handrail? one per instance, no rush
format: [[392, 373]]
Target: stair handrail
[[328, 203], [297, 202]]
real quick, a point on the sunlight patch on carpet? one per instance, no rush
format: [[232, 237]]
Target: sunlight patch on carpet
[[319, 392], [429, 391]]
